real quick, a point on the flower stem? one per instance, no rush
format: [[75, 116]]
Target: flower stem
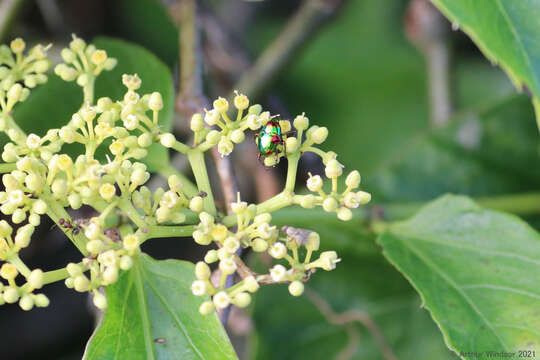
[[133, 214], [88, 90], [170, 231], [291, 171], [196, 160], [21, 267], [7, 167]]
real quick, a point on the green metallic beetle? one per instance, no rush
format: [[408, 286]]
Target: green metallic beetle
[[269, 138]]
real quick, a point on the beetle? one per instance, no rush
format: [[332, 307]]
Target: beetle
[[269, 138]]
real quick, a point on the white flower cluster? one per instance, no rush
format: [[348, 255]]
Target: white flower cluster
[[107, 257], [255, 232], [83, 62]]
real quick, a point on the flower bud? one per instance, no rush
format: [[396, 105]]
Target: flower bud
[[237, 136], [202, 271], [301, 122], [291, 144], [313, 241], [74, 269], [227, 266], [278, 273], [196, 204], [98, 57], [132, 82], [155, 103], [270, 161], [207, 308], [296, 288], [144, 140], [353, 179], [107, 191], [221, 300], [231, 244], [241, 101], [92, 231], [18, 45], [333, 169], [221, 105], [242, 299], [110, 275], [363, 197], [36, 279], [259, 245], [251, 284], [202, 239], [100, 301], [320, 135], [314, 183], [8, 271], [26, 303], [126, 262], [329, 204], [41, 300], [213, 137], [94, 247], [253, 122], [219, 232], [18, 216], [344, 214], [34, 220], [307, 201], [225, 146], [33, 141], [11, 295], [328, 260], [81, 283], [211, 256], [278, 250], [211, 117], [168, 140], [75, 201], [199, 288], [255, 109], [131, 242], [197, 123]]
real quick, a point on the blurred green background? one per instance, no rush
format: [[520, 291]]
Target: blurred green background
[[361, 77]]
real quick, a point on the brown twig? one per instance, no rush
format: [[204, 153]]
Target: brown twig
[[348, 317], [302, 26], [191, 98], [427, 29]]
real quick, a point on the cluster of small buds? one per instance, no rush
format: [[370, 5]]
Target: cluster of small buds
[[217, 128], [165, 206], [107, 256], [83, 62], [340, 203], [19, 72], [11, 292], [255, 232]]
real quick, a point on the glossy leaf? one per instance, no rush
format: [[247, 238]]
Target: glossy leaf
[[477, 273], [507, 33], [363, 281], [485, 151], [152, 314]]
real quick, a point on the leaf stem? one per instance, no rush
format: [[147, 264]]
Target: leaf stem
[[7, 167], [132, 213]]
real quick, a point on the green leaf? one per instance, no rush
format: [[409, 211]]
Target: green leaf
[[483, 152], [507, 33], [152, 314], [147, 23], [363, 281], [52, 104], [476, 270]]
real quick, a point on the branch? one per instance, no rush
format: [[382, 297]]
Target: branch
[[8, 12], [349, 317], [300, 28], [427, 29]]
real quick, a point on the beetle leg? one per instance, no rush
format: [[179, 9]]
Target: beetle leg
[[290, 132]]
